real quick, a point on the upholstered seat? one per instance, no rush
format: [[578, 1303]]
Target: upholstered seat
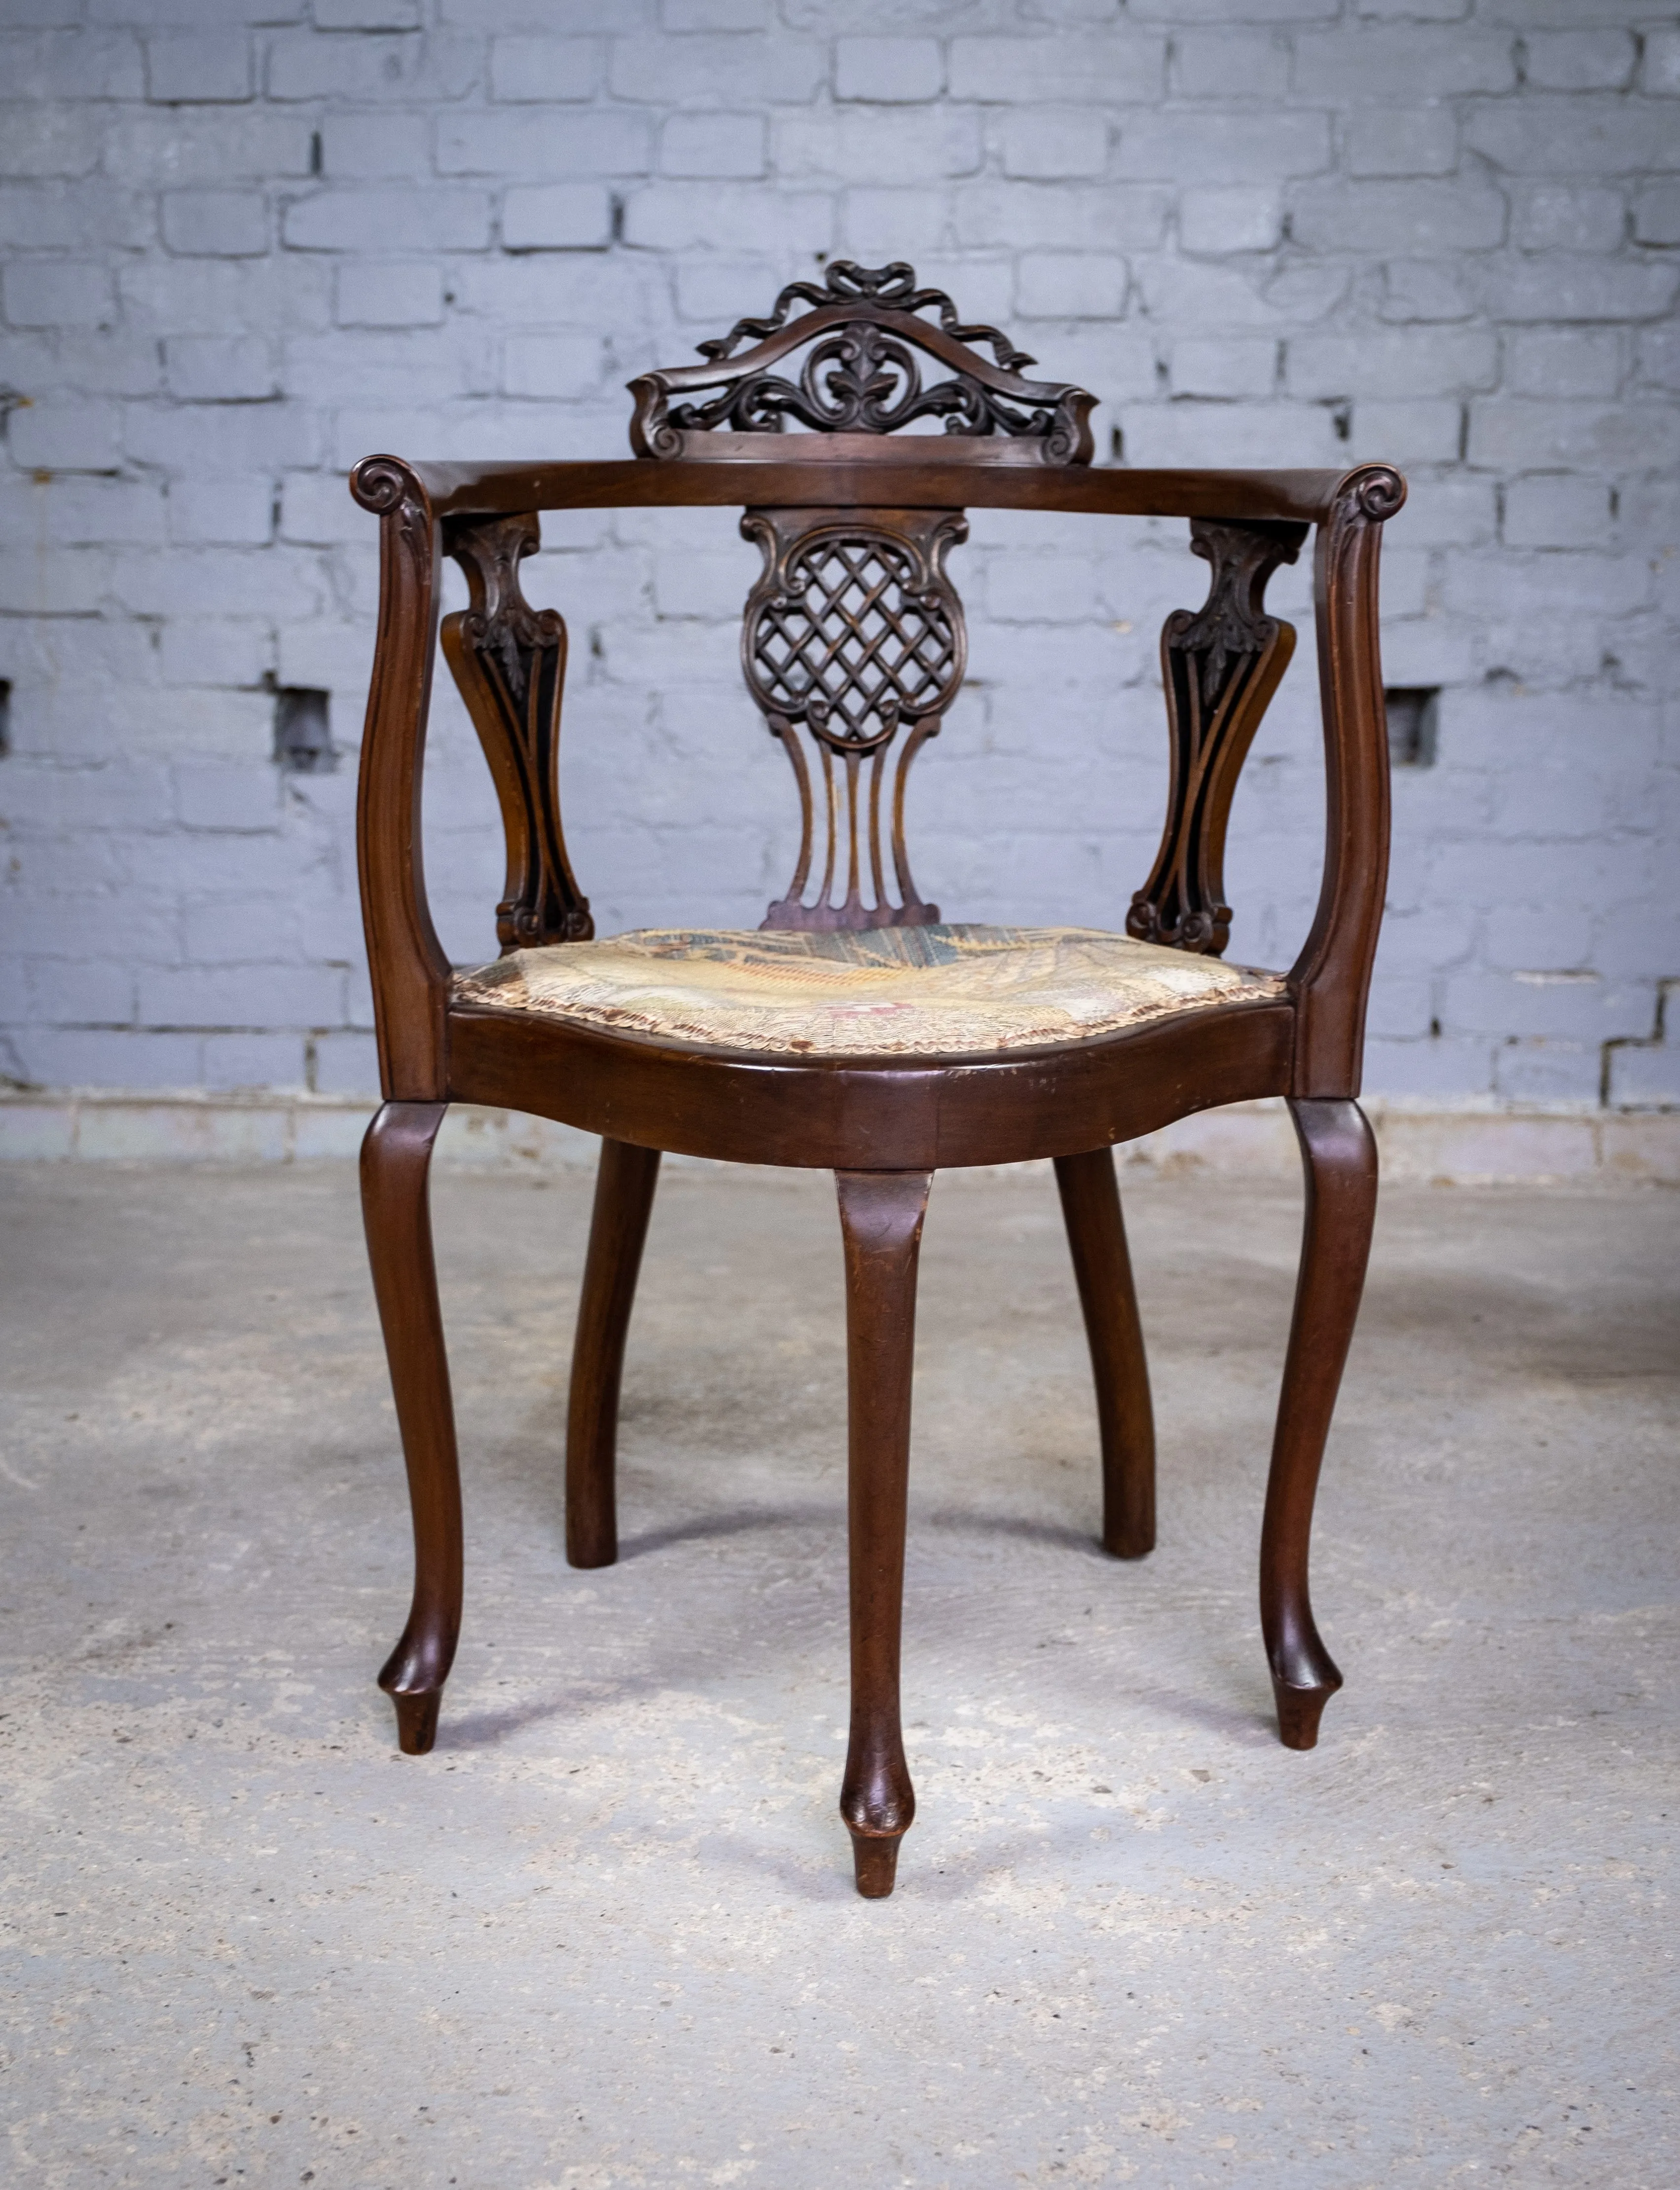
[[947, 990]]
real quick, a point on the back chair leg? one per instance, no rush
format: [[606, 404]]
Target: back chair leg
[[1339, 1156], [624, 1203], [396, 1159], [1096, 1233], [881, 1215]]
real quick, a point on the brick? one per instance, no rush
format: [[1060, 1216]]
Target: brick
[[1576, 287], [381, 70], [1659, 355], [888, 72], [70, 1057], [1413, 217], [215, 223], [553, 366], [385, 220], [219, 368], [70, 583], [1066, 285], [1069, 68], [851, 142], [221, 797], [401, 293], [1043, 144], [113, 795], [1403, 140], [1231, 63], [207, 66], [66, 437], [1428, 289], [75, 64], [669, 216], [216, 651], [1557, 512], [73, 216], [240, 997], [1396, 364], [57, 293], [1066, 216], [1217, 11], [148, 150], [730, 71], [227, 512], [1564, 361], [557, 217], [1158, 146], [1407, 433], [1243, 218], [366, 15], [365, 147], [553, 70], [1561, 217], [705, 144], [1578, 61], [594, 142], [1403, 63], [1656, 214], [1235, 367], [80, 992], [50, 140], [1171, 436], [92, 512], [1660, 69], [217, 438], [1581, 136]]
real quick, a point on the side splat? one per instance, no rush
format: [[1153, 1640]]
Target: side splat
[[853, 633], [509, 661], [1220, 665]]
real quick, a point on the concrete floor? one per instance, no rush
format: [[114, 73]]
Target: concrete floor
[[606, 1934]]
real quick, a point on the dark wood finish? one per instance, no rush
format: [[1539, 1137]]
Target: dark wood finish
[[848, 489], [1220, 666], [624, 1203], [396, 1160], [861, 377], [1096, 1234], [881, 1215], [1338, 1154], [853, 632], [509, 661]]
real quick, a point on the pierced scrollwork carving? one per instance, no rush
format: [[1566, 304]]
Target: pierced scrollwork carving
[[852, 634], [509, 661], [862, 376], [1220, 665]]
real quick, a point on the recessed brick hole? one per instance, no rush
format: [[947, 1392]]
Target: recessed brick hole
[[5, 718], [1414, 710], [302, 740]]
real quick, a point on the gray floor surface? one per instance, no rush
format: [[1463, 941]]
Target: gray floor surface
[[606, 1934]]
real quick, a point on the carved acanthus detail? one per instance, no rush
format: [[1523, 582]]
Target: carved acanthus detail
[[863, 375], [509, 661], [852, 634], [1220, 665]]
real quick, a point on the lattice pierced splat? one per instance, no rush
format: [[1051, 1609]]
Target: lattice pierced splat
[[852, 634]]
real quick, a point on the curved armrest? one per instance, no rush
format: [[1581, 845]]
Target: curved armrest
[[405, 961], [1332, 977]]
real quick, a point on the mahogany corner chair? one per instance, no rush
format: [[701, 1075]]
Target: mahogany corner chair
[[856, 1032]]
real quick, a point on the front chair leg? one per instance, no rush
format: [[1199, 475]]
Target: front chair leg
[[396, 1159], [1339, 1156], [624, 1202], [1096, 1234], [881, 1217]]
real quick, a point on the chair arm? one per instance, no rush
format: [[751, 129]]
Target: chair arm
[[406, 963], [1332, 977]]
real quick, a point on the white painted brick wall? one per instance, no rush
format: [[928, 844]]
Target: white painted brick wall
[[247, 241]]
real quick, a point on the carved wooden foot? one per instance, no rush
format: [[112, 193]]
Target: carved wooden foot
[[1339, 1156], [624, 1202], [881, 1217], [1096, 1233], [396, 1158]]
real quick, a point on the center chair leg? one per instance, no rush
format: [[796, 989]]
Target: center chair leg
[[1096, 1233], [624, 1203], [881, 1215]]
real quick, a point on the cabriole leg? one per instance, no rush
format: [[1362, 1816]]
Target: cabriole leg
[[1096, 1233], [1339, 1156], [396, 1159], [624, 1203], [881, 1217]]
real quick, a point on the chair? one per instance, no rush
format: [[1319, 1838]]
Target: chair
[[857, 1031]]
